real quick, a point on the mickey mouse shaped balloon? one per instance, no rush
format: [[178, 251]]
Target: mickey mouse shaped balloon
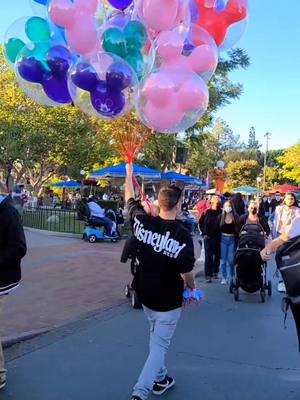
[[78, 19], [174, 96], [216, 18], [104, 86], [47, 81]]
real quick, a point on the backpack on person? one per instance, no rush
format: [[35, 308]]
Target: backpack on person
[[288, 263]]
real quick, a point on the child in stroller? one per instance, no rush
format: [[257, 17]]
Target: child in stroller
[[130, 253], [250, 270]]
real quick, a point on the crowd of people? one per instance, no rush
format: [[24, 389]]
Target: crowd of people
[[165, 251], [220, 226]]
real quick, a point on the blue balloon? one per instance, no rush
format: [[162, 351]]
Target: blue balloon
[[119, 76], [42, 2], [31, 69], [221, 5]]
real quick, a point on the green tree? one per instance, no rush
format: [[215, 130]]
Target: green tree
[[41, 142], [242, 172], [290, 161], [252, 142], [274, 177], [272, 157]]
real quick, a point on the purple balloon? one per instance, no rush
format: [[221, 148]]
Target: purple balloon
[[119, 19], [107, 102], [194, 10], [59, 60], [56, 88], [120, 4], [85, 77], [31, 69], [118, 76]]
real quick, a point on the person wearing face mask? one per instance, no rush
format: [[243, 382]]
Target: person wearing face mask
[[210, 228], [276, 201], [252, 217], [264, 207], [228, 227]]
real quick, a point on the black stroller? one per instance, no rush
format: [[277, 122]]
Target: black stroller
[[130, 252], [250, 270]]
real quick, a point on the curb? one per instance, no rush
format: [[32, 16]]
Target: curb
[[54, 233], [10, 341]]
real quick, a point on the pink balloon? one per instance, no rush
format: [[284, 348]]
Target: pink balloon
[[163, 118], [158, 89], [87, 6], [159, 15], [62, 13], [82, 42], [78, 21], [169, 45], [203, 58], [193, 95]]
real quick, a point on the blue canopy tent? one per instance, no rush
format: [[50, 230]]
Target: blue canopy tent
[[247, 190], [67, 184], [175, 176], [119, 171]]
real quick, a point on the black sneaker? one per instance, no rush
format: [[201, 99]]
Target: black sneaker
[[162, 386], [135, 398]]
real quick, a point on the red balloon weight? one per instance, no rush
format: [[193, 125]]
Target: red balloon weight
[[217, 23]]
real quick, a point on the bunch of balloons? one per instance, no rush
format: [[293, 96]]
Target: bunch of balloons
[[110, 56]]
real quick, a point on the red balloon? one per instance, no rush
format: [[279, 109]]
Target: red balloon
[[216, 23]]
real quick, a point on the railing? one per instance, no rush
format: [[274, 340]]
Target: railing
[[52, 219]]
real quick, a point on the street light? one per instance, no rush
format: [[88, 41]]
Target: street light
[[268, 137], [82, 173]]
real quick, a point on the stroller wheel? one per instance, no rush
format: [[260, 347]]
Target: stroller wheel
[[269, 288], [135, 301], [236, 294], [263, 296], [127, 291]]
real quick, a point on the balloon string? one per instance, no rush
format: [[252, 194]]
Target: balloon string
[[143, 197]]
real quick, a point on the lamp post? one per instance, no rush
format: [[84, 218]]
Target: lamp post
[[82, 173], [268, 137]]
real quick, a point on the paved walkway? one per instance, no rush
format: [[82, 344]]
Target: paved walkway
[[221, 350], [64, 279]]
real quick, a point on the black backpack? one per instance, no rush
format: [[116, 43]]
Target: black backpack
[[288, 262]]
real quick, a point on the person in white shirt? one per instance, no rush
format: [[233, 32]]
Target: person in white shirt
[[292, 231], [97, 216]]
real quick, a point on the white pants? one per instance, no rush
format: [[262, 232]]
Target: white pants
[[162, 328], [2, 363]]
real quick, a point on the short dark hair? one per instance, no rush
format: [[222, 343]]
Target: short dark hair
[[169, 196]]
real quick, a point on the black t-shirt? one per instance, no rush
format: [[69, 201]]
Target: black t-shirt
[[166, 250]]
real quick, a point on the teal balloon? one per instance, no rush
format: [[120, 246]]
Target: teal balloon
[[114, 42], [137, 63], [39, 52], [136, 35], [37, 29], [13, 48]]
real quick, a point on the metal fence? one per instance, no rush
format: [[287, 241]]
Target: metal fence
[[52, 219]]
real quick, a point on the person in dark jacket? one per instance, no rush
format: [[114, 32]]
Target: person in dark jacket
[[252, 217], [210, 228], [12, 250], [238, 204], [264, 207]]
